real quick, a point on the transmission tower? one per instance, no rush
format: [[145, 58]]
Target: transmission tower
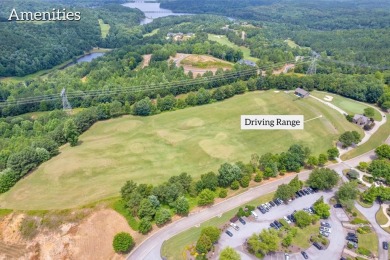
[[65, 103], [313, 65]]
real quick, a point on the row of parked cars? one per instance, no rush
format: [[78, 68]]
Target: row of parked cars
[[265, 207]]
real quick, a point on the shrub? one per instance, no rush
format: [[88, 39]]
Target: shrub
[[206, 197], [287, 241], [245, 181], [223, 193], [123, 242], [258, 177], [204, 244], [162, 216], [350, 246], [359, 221], [235, 185], [144, 226], [363, 251], [354, 214]]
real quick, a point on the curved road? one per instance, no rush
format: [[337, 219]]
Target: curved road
[[150, 248]]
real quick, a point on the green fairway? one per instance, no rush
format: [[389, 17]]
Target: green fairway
[[151, 149], [104, 28], [222, 39], [348, 105], [175, 248]]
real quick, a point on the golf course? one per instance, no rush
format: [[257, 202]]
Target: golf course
[[151, 149]]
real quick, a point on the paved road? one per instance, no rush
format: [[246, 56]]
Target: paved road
[[150, 248], [370, 213]]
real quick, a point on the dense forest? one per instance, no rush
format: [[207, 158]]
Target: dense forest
[[353, 31], [28, 47]]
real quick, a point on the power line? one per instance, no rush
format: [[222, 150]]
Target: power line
[[145, 88]]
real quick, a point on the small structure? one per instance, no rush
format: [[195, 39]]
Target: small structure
[[300, 92], [247, 62], [360, 120], [234, 219]]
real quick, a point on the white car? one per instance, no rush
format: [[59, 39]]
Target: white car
[[235, 226], [325, 234], [287, 220]]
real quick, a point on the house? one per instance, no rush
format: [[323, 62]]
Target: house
[[360, 120], [247, 62], [301, 93]]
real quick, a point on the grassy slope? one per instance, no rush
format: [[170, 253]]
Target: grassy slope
[[222, 39], [176, 246], [151, 149], [348, 105], [104, 28]]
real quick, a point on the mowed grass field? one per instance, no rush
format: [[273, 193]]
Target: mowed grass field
[[222, 39], [151, 149], [348, 105]]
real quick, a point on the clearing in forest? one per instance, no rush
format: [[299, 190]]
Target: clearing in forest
[[222, 39], [205, 62], [151, 149], [104, 28]]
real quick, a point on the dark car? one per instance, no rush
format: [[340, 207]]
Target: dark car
[[385, 245], [273, 225], [343, 258], [310, 190], [302, 193], [276, 202], [278, 224], [272, 203], [350, 234], [318, 246], [297, 193], [338, 205], [230, 234], [304, 255], [352, 239], [306, 191], [242, 221]]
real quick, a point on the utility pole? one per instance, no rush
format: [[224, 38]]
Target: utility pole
[[313, 65], [65, 103]]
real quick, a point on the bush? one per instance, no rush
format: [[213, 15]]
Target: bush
[[258, 177], [350, 246], [144, 226], [206, 197], [359, 221], [223, 193], [245, 181], [364, 251], [162, 216], [364, 230], [287, 241], [354, 214], [235, 185], [123, 242]]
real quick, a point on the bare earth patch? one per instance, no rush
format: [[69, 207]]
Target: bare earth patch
[[89, 239], [146, 60], [199, 64]]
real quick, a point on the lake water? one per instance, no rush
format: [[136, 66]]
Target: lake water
[[90, 57], [151, 11]]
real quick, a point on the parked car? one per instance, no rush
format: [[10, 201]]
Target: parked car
[[287, 220], [286, 256], [353, 239], [235, 226], [297, 193], [338, 205], [306, 191], [230, 234], [278, 224], [272, 203], [318, 246], [354, 245], [280, 201], [326, 224], [277, 202], [242, 221], [304, 255], [325, 234], [310, 190], [302, 193], [385, 245], [350, 234], [273, 225]]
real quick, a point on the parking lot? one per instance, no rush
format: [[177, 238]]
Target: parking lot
[[337, 237]]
